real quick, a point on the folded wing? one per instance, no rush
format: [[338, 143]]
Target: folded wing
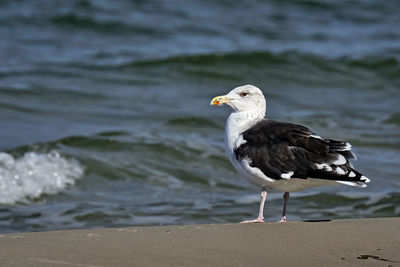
[[286, 150]]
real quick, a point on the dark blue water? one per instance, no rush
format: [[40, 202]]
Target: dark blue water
[[105, 117]]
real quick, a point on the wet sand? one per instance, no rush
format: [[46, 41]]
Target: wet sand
[[358, 242]]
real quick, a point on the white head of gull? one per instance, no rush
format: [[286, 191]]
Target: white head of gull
[[285, 156]]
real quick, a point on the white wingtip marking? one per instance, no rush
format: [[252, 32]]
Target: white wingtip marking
[[365, 179], [323, 166], [340, 160], [340, 171], [352, 174]]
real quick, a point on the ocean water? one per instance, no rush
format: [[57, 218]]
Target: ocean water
[[105, 118]]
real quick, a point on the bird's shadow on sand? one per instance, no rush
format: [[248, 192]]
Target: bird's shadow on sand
[[316, 220]]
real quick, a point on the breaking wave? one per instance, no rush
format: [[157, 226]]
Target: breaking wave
[[28, 177]]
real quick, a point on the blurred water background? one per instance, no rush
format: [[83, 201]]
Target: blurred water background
[[105, 118]]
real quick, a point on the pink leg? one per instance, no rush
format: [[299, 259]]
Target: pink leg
[[260, 218], [285, 199]]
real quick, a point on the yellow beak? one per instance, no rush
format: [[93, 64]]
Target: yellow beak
[[219, 100]]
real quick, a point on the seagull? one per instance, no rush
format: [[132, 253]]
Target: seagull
[[284, 156]]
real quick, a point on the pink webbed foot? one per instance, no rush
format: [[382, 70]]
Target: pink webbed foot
[[258, 220], [283, 219]]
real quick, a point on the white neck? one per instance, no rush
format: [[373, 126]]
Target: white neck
[[238, 122]]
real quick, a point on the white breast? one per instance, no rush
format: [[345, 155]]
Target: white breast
[[236, 124]]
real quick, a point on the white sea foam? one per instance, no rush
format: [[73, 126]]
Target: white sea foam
[[34, 173]]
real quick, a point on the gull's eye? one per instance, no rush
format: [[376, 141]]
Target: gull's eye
[[244, 93]]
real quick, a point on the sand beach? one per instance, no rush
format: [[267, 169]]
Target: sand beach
[[352, 242]]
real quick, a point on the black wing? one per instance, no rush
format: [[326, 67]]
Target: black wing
[[278, 148]]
